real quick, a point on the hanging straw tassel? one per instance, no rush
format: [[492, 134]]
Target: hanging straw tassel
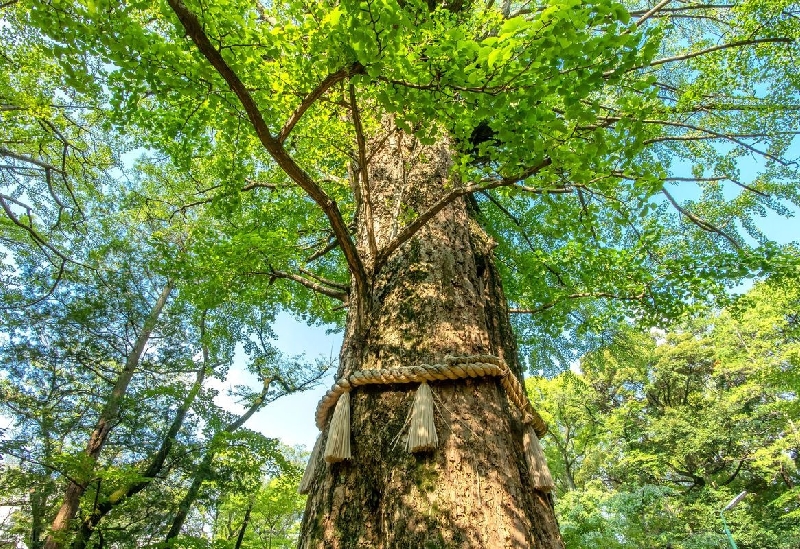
[[311, 467], [338, 446], [537, 464], [422, 432]]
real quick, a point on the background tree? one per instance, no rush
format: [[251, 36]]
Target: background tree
[[268, 516], [658, 433], [107, 334]]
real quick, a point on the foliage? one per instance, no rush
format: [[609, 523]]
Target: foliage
[[659, 432], [627, 147], [87, 252]]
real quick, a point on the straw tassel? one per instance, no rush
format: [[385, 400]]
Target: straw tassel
[[422, 432], [311, 468], [537, 464], [338, 446]]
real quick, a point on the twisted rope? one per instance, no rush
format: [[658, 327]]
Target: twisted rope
[[454, 367]]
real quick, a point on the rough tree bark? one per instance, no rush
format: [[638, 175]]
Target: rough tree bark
[[438, 294]]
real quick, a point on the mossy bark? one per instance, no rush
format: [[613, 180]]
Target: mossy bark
[[439, 294]]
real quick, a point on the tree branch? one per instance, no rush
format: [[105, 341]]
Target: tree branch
[[581, 295], [525, 236], [637, 13], [310, 284], [316, 93], [703, 224], [326, 281], [648, 14], [711, 134], [412, 228], [35, 236], [29, 160], [745, 186], [275, 148], [718, 47], [363, 175], [319, 253]]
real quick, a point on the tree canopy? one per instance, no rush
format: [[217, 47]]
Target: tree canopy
[[628, 150], [657, 433]]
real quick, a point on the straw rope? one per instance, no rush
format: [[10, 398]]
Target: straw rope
[[454, 367]]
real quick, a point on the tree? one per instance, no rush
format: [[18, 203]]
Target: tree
[[659, 432], [268, 516], [107, 338], [416, 162]]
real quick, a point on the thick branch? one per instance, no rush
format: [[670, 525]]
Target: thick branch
[[275, 148], [315, 94], [412, 228]]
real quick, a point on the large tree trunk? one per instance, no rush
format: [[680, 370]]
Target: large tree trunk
[[439, 294]]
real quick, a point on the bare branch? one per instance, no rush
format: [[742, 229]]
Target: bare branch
[[710, 134], [252, 184]]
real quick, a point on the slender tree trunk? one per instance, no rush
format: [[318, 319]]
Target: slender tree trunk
[[204, 470], [154, 468], [97, 439], [245, 523], [439, 294], [42, 491]]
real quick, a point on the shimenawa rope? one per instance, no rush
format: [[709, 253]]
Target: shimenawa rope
[[422, 431]]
